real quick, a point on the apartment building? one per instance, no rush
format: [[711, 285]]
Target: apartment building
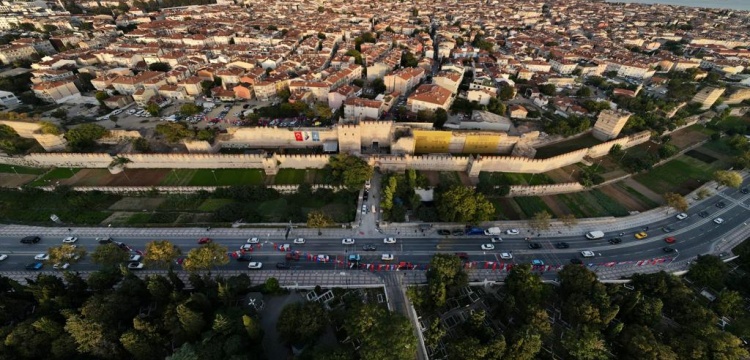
[[56, 91]]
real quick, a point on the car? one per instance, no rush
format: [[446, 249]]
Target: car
[[457, 232], [244, 257], [369, 247], [506, 256], [719, 220], [534, 245], [667, 229], [254, 240], [35, 266], [587, 253], [246, 247], [347, 241], [745, 190], [462, 255], [41, 257], [641, 235], [576, 261], [668, 249], [135, 266], [291, 256], [30, 240], [365, 196], [69, 240], [323, 258], [204, 240], [615, 241], [3, 257], [720, 205], [562, 245], [284, 247], [488, 247], [134, 258], [122, 246], [537, 262], [703, 214], [104, 240], [367, 184], [282, 266], [496, 239], [512, 232], [443, 232], [670, 240], [681, 216], [60, 266], [389, 240], [255, 265], [386, 257]]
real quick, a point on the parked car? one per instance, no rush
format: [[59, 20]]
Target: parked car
[[745, 190], [255, 265], [244, 257], [576, 261], [246, 247], [668, 249], [667, 229], [681, 216], [457, 232], [444, 232], [254, 240], [389, 240], [506, 256], [70, 240], [720, 205], [135, 266], [537, 262], [496, 239], [30, 240], [41, 257], [61, 266], [299, 241], [134, 258], [386, 257], [284, 247], [347, 241], [204, 240], [703, 214], [323, 258], [35, 266]]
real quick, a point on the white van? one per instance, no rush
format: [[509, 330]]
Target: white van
[[493, 231], [593, 235]]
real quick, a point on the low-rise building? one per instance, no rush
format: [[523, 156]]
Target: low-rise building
[[56, 91], [430, 97], [480, 120]]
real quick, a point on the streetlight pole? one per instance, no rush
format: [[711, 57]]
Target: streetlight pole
[[571, 174], [175, 175], [14, 170], [215, 179]]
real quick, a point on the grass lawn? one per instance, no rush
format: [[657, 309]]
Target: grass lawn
[[515, 178], [55, 174], [642, 198], [177, 177], [702, 129], [273, 210], [721, 146], [566, 146], [295, 176], [226, 177], [681, 175], [12, 169], [210, 205], [531, 205], [582, 205]]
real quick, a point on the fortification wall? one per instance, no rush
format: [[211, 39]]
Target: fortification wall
[[265, 137], [194, 161], [526, 165], [68, 160], [285, 189], [539, 190], [424, 163], [200, 147], [51, 142], [302, 161]]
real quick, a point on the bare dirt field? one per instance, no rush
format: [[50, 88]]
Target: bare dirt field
[[137, 204], [622, 197], [14, 181], [129, 177], [687, 137]]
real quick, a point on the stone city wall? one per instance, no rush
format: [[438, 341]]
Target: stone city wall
[[271, 137], [284, 189], [540, 190], [23, 128]]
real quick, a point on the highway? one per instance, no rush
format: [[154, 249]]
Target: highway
[[694, 236]]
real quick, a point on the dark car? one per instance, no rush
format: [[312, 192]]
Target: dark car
[[365, 196], [123, 246], [562, 245], [615, 241], [457, 232], [745, 190], [31, 240], [535, 245], [720, 204], [576, 261], [666, 229], [668, 249], [703, 214], [443, 232], [369, 247], [462, 255], [34, 266], [244, 257], [282, 266], [104, 240], [292, 256], [204, 240]]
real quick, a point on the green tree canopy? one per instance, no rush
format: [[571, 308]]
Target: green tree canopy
[[302, 323], [189, 109], [349, 171], [159, 66], [463, 204], [83, 137], [205, 257], [109, 255]]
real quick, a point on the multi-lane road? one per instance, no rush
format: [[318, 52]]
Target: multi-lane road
[[694, 235]]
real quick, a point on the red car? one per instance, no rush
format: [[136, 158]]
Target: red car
[[292, 256], [204, 240], [670, 240], [462, 255]]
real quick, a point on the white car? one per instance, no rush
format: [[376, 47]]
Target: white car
[[682, 216], [246, 247], [496, 239], [718, 220], [389, 240], [512, 232], [284, 247], [61, 266], [135, 266], [254, 240], [323, 258], [135, 258], [299, 241], [254, 265], [70, 240], [488, 247], [347, 241], [41, 257], [587, 253], [506, 256], [386, 257], [3, 257]]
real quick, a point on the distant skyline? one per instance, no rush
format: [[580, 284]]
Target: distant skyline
[[719, 4]]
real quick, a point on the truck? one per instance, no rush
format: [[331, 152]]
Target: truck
[[593, 235], [493, 231]]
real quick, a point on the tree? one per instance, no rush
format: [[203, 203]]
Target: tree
[[159, 66], [189, 109], [206, 135], [301, 323], [83, 137], [585, 344], [349, 171], [569, 220], [384, 335], [48, 28], [317, 219], [141, 145], [547, 89], [153, 109], [728, 178], [506, 92], [109, 255], [584, 91], [463, 204], [101, 96], [540, 221], [161, 254], [205, 257], [676, 201], [708, 270], [174, 131], [730, 303], [496, 107], [65, 253], [378, 86], [441, 116]]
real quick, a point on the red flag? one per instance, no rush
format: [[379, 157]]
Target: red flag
[[494, 266]]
